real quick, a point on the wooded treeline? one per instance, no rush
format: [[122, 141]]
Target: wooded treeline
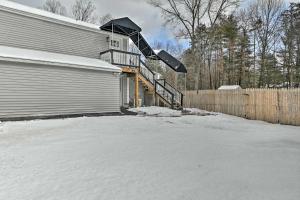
[[256, 44]]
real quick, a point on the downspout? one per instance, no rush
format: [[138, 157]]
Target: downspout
[[112, 33], [185, 77], [137, 95]]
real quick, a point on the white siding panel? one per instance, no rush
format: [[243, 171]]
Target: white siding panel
[[31, 33], [37, 90]]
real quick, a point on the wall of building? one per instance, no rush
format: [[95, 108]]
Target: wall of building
[[23, 30], [40, 90]]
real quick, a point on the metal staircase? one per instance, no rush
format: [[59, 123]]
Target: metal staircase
[[132, 63], [147, 77], [167, 93]]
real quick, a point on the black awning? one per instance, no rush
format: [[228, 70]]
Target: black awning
[[123, 26], [127, 27], [172, 62], [143, 46]]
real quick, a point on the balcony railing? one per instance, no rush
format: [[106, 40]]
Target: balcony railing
[[121, 58]]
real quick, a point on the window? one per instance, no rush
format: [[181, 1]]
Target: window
[[115, 43]]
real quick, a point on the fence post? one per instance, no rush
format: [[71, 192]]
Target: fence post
[[181, 100], [155, 98], [172, 101], [247, 104]]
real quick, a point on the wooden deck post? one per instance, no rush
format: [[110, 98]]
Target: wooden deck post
[[136, 91]]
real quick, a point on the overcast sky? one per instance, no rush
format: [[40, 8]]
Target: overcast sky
[[143, 14]]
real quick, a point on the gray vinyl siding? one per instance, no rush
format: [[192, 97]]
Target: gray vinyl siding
[[28, 90], [31, 33]]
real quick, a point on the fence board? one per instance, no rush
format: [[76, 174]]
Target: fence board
[[271, 105]]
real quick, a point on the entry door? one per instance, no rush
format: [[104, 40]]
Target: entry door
[[121, 91], [124, 91]]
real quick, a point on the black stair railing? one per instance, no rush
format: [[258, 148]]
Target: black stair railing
[[162, 88], [164, 93], [147, 73], [178, 96]]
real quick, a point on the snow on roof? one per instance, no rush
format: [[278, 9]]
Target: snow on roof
[[39, 12], [42, 57], [157, 51], [230, 87]]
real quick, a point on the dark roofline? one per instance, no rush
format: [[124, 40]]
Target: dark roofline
[[172, 62], [124, 26]]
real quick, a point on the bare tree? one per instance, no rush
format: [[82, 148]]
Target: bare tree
[[187, 13], [192, 14], [105, 18], [269, 13], [83, 10], [54, 6], [217, 8]]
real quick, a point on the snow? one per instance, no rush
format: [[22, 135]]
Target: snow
[[1, 127], [39, 12], [196, 111], [156, 51], [166, 112], [156, 111], [230, 87], [138, 157], [54, 58]]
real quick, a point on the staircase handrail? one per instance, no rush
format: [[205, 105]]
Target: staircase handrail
[[169, 101], [178, 96], [152, 78]]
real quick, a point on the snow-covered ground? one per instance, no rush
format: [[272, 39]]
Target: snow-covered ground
[[166, 112], [156, 111], [141, 157]]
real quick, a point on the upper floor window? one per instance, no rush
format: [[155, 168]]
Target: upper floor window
[[115, 43]]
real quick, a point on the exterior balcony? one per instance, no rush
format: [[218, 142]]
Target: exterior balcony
[[126, 60]]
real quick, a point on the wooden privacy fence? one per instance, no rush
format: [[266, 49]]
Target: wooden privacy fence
[[271, 105]]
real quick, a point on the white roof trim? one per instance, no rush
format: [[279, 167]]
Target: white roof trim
[[45, 58], [48, 16]]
